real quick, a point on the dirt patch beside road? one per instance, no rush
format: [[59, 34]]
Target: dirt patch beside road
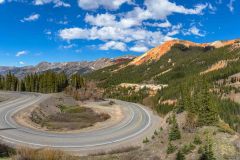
[[61, 113]]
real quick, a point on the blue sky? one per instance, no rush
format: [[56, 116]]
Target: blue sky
[[74, 30]]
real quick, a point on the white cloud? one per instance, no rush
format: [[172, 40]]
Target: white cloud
[[57, 3], [165, 24], [21, 63], [61, 4], [212, 9], [195, 31], [30, 18], [160, 9], [101, 19], [107, 4], [132, 26], [175, 29], [48, 32], [64, 22], [21, 53], [68, 46], [109, 20], [230, 5], [139, 48], [113, 34], [114, 45], [2, 1], [74, 33]]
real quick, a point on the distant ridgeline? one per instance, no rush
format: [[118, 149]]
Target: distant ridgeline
[[48, 82]]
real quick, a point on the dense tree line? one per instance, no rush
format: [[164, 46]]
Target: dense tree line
[[199, 102], [229, 112], [47, 82]]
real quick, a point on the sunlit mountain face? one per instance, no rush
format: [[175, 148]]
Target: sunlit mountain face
[[33, 31]]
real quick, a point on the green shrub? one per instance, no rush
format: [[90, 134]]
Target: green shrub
[[171, 148], [188, 148], [155, 133], [197, 140], [146, 140], [180, 156]]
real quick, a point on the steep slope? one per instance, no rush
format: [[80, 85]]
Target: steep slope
[[178, 67], [159, 51], [171, 61]]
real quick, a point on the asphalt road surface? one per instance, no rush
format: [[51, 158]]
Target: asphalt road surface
[[138, 123]]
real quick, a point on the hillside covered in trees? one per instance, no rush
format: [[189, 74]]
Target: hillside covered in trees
[[192, 74], [48, 82]]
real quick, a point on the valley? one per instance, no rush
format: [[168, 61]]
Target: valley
[[180, 99], [119, 80]]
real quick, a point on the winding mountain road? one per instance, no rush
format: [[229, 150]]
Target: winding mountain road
[[138, 123]]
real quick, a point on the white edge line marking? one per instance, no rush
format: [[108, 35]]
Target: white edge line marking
[[10, 140]]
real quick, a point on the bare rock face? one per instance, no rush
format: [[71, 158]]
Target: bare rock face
[[68, 67]]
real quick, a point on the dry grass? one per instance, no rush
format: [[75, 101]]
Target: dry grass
[[116, 151], [41, 154], [70, 118], [224, 127], [74, 120]]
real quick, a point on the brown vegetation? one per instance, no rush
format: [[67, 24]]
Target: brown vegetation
[[41, 154], [89, 92], [70, 118], [60, 113]]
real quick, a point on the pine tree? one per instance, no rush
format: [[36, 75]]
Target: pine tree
[[207, 152], [181, 104], [77, 81], [207, 114], [174, 133]]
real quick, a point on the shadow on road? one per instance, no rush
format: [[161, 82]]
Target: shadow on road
[[4, 129]]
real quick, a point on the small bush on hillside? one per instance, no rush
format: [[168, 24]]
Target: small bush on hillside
[[197, 140], [188, 148], [146, 140], [155, 133], [180, 156], [171, 148], [6, 151]]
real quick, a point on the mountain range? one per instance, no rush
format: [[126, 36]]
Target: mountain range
[[84, 67], [68, 67]]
